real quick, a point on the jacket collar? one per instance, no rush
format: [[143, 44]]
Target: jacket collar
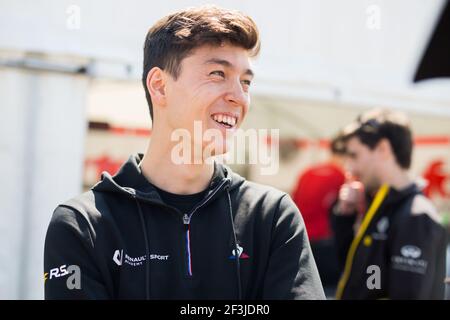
[[130, 180]]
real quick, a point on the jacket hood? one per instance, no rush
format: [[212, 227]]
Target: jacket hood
[[130, 181]]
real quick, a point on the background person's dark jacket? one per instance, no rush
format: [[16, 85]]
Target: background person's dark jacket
[[405, 240], [109, 230]]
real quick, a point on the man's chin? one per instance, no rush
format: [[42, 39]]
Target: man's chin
[[372, 187]]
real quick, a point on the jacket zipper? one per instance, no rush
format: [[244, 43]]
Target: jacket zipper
[[187, 223]]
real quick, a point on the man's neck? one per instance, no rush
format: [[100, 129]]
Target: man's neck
[[397, 178], [157, 166]]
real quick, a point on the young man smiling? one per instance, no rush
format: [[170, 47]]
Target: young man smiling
[[163, 230]]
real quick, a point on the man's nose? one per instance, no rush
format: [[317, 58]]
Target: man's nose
[[350, 169], [236, 95]]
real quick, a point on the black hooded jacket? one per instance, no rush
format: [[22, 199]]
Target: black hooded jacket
[[401, 254], [242, 241]]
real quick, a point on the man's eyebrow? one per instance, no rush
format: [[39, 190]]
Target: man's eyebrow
[[228, 64]]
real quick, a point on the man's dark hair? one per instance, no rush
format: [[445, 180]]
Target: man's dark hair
[[175, 36], [373, 126], [337, 145]]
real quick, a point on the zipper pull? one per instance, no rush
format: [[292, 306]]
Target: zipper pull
[[186, 219]]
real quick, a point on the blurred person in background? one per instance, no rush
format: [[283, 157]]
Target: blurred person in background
[[398, 248], [160, 229], [315, 194]]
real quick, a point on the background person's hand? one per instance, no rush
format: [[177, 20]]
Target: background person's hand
[[351, 198]]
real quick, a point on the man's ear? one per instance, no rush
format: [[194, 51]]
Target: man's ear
[[156, 86], [384, 149]]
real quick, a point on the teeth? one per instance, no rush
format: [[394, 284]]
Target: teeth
[[225, 119]]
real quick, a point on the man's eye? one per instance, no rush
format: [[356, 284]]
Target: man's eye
[[246, 82], [218, 73]]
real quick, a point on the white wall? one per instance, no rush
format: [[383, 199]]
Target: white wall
[[42, 129]]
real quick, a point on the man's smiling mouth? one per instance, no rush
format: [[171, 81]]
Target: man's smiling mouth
[[226, 120]]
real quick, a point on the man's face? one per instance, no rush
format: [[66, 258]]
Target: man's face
[[213, 88], [363, 163]]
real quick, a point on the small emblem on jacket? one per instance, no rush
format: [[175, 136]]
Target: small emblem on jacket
[[240, 253], [383, 225], [409, 260], [119, 256], [410, 251], [381, 229]]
